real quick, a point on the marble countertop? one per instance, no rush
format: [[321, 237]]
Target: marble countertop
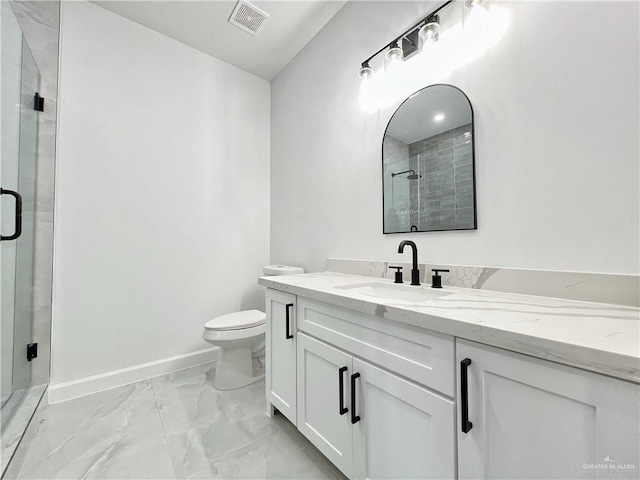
[[598, 337]]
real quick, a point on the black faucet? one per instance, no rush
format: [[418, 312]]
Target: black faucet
[[415, 273]]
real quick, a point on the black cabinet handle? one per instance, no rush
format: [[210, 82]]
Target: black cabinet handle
[[464, 395], [354, 418], [341, 372], [18, 215], [288, 320]]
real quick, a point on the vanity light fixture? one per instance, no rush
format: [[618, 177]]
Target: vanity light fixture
[[430, 50], [424, 32]]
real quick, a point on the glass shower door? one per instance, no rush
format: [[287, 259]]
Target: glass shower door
[[20, 82]]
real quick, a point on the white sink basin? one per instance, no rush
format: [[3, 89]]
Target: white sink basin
[[392, 291]]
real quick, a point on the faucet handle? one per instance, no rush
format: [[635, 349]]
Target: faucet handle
[[436, 280], [398, 274]]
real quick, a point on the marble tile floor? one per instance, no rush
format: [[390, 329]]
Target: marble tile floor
[[173, 426], [17, 418]]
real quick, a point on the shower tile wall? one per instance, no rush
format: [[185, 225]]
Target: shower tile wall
[[443, 197]]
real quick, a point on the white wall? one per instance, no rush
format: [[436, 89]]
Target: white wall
[[162, 194], [557, 143]]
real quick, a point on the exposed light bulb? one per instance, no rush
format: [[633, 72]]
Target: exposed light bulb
[[429, 33], [473, 3], [394, 53], [366, 83], [439, 117], [365, 71], [429, 36]]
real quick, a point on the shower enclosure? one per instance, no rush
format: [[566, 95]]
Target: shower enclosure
[[25, 247], [400, 192], [18, 176]]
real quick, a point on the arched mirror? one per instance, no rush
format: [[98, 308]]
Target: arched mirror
[[428, 163]]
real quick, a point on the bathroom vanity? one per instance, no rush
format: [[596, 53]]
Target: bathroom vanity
[[393, 381]]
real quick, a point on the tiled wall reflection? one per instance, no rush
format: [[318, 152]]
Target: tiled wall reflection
[[442, 198]]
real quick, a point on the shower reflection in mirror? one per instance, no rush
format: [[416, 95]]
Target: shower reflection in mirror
[[428, 163]]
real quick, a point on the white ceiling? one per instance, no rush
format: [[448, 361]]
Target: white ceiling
[[415, 119], [204, 25]]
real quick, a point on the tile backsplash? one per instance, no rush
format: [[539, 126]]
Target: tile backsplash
[[592, 287]]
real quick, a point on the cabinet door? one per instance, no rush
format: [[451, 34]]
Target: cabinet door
[[323, 396], [404, 431], [536, 419], [281, 352]]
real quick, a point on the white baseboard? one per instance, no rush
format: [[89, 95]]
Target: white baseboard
[[105, 381]]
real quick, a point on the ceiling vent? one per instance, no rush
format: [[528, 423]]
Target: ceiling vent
[[248, 17]]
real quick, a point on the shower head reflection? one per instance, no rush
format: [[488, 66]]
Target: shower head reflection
[[412, 174]]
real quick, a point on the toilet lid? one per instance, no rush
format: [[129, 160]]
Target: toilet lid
[[237, 320], [281, 270]]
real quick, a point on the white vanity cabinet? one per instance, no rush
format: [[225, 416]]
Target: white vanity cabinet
[[532, 418], [370, 421], [383, 399], [281, 353]]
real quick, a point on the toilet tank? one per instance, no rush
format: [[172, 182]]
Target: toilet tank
[[273, 270]]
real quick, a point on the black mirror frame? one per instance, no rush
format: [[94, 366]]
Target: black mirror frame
[[473, 163]]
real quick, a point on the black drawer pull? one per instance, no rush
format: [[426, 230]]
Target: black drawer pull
[[341, 373], [354, 418], [18, 215], [288, 320], [464, 395]]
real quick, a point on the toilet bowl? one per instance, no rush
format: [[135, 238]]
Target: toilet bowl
[[240, 335], [237, 334]]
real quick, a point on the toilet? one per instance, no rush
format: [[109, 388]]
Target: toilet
[[240, 335]]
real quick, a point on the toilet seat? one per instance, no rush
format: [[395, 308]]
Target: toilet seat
[[237, 334], [236, 321]]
